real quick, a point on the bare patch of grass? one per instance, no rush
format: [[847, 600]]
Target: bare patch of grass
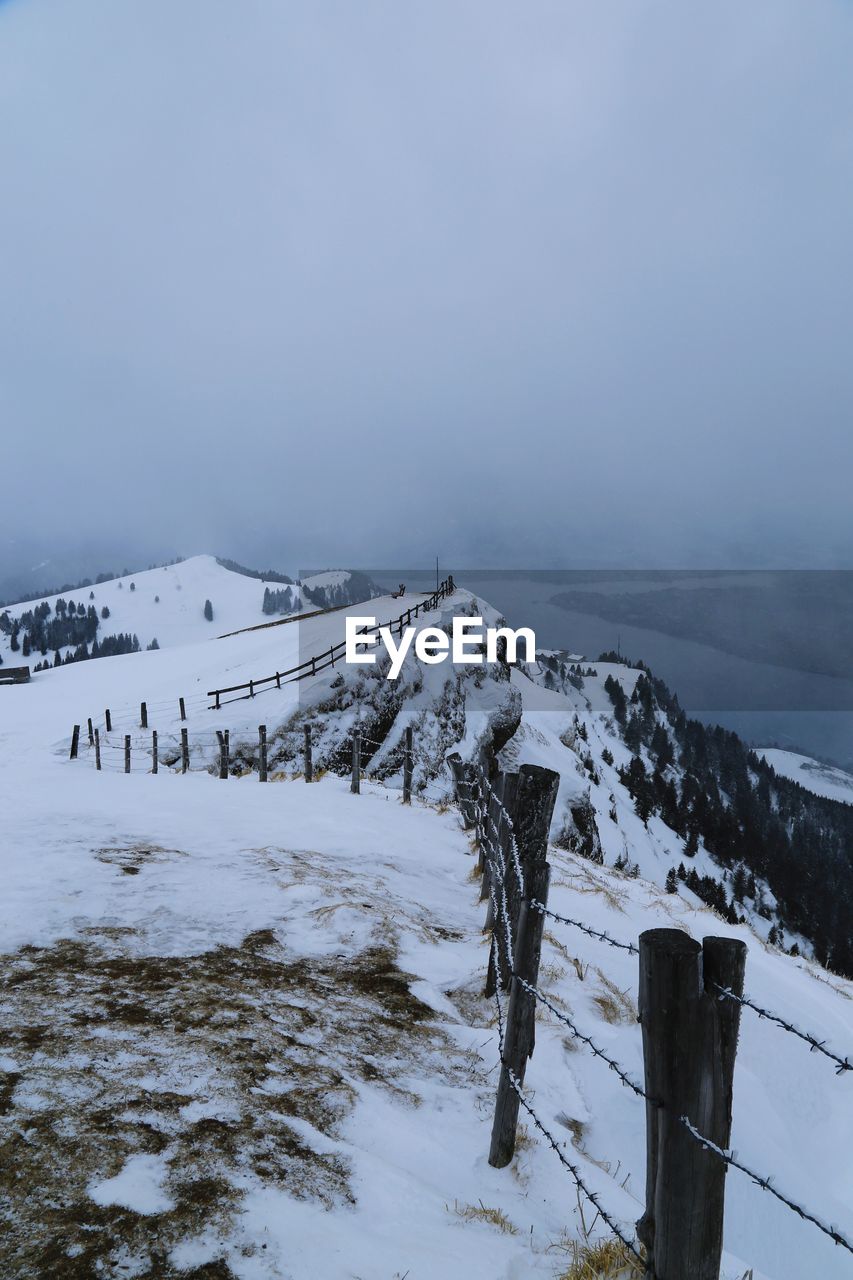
[[216, 1062]]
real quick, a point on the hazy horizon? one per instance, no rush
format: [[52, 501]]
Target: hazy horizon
[[559, 284]]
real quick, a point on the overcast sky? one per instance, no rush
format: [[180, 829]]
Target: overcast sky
[[542, 283]]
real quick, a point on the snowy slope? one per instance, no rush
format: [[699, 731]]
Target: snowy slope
[[814, 775], [167, 604], [272, 994]]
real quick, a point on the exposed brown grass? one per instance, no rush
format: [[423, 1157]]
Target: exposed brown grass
[[114, 1051]]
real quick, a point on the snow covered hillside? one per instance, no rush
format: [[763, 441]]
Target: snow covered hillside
[[243, 1033], [168, 605], [814, 775]]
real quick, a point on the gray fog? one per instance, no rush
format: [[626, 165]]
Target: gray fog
[[543, 284]]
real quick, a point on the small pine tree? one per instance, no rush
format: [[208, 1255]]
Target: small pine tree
[[105, 612], [156, 599], [154, 644], [671, 881], [208, 611], [607, 755], [91, 595], [133, 586]]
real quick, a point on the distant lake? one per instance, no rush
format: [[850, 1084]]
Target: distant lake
[[766, 702]]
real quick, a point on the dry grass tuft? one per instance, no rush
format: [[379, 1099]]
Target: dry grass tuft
[[603, 1260], [480, 1213]]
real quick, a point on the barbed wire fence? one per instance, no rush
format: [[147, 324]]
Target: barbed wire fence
[[494, 831]]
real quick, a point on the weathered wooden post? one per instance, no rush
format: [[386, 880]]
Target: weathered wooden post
[[183, 708], [355, 785], [262, 752], [98, 750], [185, 751], [143, 714], [223, 753], [309, 759], [407, 766], [91, 732], [127, 753], [75, 741], [216, 694], [689, 1044], [537, 793], [465, 777], [155, 759], [108, 720]]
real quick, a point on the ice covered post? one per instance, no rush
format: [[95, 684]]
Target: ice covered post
[[536, 796], [689, 1043]]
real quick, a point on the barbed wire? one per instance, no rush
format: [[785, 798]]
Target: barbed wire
[[501, 916], [766, 1184], [588, 1041], [592, 1196], [600, 935], [815, 1045]]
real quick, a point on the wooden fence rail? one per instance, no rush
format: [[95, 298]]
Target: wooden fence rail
[[322, 661]]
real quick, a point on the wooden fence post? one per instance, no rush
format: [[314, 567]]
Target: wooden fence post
[[91, 732], [185, 751], [183, 708], [309, 760], [467, 789], [143, 714], [97, 750], [223, 753], [407, 766], [689, 1044], [216, 708], [75, 741], [537, 793], [262, 752], [155, 759], [108, 720], [127, 753], [355, 785]]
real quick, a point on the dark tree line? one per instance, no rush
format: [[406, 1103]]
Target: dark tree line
[[281, 600], [707, 784], [108, 647]]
